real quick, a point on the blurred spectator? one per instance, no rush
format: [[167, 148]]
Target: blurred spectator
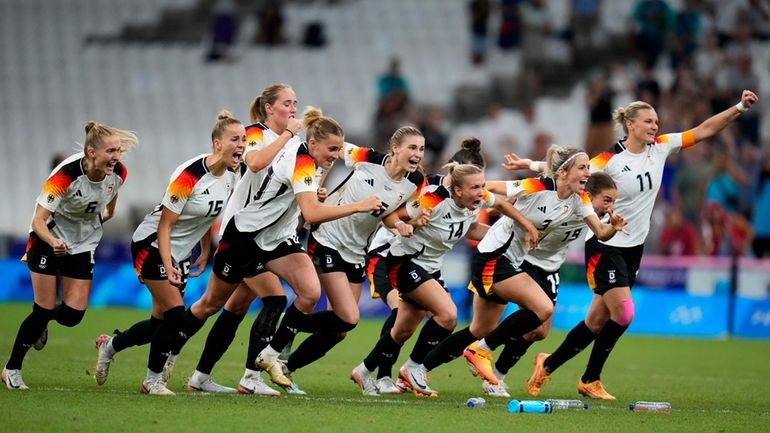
[[392, 81], [687, 31], [270, 20], [537, 28], [708, 58], [584, 24], [509, 35], [739, 77], [689, 184], [724, 233], [432, 128], [761, 217], [314, 36], [479, 17], [647, 87], [726, 182], [599, 134], [393, 103], [57, 159], [223, 30], [679, 236], [654, 20]]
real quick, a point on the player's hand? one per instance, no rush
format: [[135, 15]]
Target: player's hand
[[322, 194], [748, 98], [174, 276], [199, 265], [513, 162], [531, 237], [404, 230], [59, 247], [422, 219], [618, 222], [294, 125], [369, 204]]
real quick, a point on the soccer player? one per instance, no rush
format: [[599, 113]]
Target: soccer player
[[498, 273], [163, 242], [379, 286], [264, 232], [274, 126], [77, 198], [544, 263], [338, 248], [636, 165], [414, 267]]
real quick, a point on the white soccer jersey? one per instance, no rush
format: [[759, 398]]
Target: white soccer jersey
[[551, 251], [257, 137], [198, 197], [537, 200], [447, 225], [77, 202], [350, 235], [273, 213], [638, 177]]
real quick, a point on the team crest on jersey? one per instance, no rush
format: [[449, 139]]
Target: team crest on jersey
[[109, 189], [252, 143], [174, 198], [50, 198], [565, 208], [308, 180], [415, 204]]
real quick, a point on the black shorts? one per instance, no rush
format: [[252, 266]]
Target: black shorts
[[377, 272], [238, 256], [327, 260], [490, 268], [608, 267], [148, 264], [41, 260], [406, 276]]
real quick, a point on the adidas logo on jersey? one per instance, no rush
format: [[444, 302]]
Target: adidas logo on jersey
[[205, 192], [78, 193], [447, 216], [370, 182], [541, 209], [625, 169]]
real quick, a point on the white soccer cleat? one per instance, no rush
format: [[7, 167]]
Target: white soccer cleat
[[12, 379], [499, 390], [292, 388], [200, 382], [385, 385], [417, 377], [252, 383], [103, 359], [403, 385], [155, 387], [363, 378], [270, 363], [168, 368]]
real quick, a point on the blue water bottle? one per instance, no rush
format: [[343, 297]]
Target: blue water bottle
[[476, 402], [529, 406]]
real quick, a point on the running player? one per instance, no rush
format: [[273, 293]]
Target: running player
[[77, 198], [636, 164], [273, 116], [163, 242], [338, 248], [414, 266], [498, 272], [264, 232], [549, 255]]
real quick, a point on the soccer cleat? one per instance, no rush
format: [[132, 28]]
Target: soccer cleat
[[103, 359], [273, 367], [363, 378], [417, 378], [499, 390], [385, 385], [480, 362], [41, 342], [292, 388], [594, 389], [202, 383], [12, 379], [539, 377], [403, 385], [168, 368], [252, 383], [155, 387]]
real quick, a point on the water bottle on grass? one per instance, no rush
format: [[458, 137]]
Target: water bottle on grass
[[651, 406]]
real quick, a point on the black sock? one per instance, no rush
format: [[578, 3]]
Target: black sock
[[511, 354], [219, 339], [603, 345], [294, 321], [263, 328], [30, 330], [313, 348], [386, 348], [139, 334], [513, 326], [191, 327], [385, 369], [166, 338], [576, 340], [449, 349], [430, 336]]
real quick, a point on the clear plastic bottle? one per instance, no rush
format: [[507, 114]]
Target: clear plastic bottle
[[476, 402], [557, 404], [529, 406], [651, 406]]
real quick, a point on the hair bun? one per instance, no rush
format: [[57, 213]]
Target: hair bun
[[472, 144], [90, 125], [224, 114]]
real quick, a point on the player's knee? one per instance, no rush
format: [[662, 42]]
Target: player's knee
[[626, 312], [68, 316], [544, 312], [537, 335]]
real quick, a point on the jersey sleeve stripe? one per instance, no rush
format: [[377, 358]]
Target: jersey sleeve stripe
[[599, 161], [688, 139], [304, 170], [182, 186], [254, 135], [532, 185], [121, 170], [57, 184], [584, 198], [429, 200]]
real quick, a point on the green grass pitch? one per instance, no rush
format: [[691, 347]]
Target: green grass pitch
[[713, 386]]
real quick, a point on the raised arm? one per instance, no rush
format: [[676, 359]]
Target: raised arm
[[711, 126], [259, 159], [314, 212]]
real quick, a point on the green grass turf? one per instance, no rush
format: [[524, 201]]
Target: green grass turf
[[713, 386]]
